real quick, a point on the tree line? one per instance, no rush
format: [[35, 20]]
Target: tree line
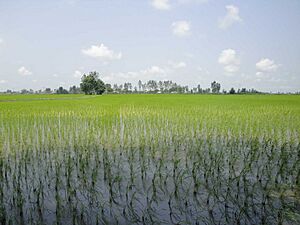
[[92, 84]]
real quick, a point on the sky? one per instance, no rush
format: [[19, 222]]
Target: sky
[[51, 43]]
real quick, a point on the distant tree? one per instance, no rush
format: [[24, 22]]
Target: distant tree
[[140, 84], [24, 91], [100, 87], [232, 91], [88, 84], [74, 90], [253, 91], [152, 85], [127, 87], [108, 88], [116, 88], [91, 84], [48, 91], [207, 90], [186, 89], [160, 85], [243, 91], [130, 87], [61, 90], [215, 87], [198, 88], [144, 88]]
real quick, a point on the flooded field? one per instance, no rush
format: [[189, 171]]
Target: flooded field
[[143, 159]]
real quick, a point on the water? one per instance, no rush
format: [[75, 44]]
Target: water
[[217, 181]]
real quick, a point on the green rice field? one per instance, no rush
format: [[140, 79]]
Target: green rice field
[[150, 159]]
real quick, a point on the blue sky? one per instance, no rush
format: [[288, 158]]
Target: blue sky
[[253, 44]]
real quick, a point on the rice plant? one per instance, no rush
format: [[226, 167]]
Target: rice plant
[[142, 159]]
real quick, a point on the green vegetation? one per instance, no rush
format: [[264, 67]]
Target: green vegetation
[[149, 159], [91, 84]]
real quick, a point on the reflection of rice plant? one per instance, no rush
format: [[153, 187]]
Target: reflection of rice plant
[[146, 166]]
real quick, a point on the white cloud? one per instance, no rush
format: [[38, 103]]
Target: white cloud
[[180, 65], [161, 4], [228, 56], [123, 75], [181, 28], [55, 75], [24, 72], [102, 52], [1, 40], [277, 80], [77, 74], [3, 81], [202, 70], [229, 59], [177, 65], [166, 4], [153, 70], [266, 65], [231, 68], [232, 16], [259, 74]]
